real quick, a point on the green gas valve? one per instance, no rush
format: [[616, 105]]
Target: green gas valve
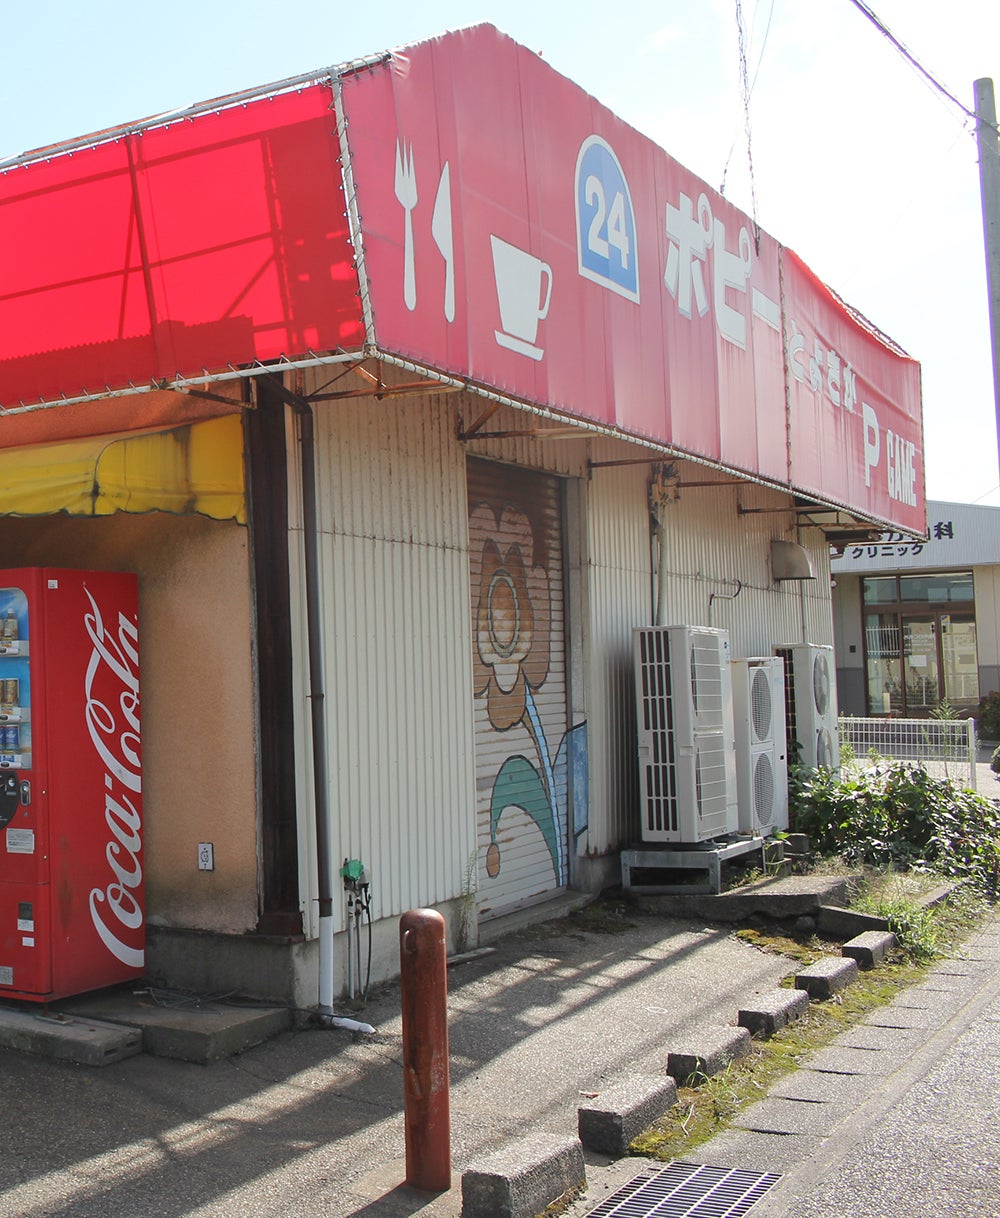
[[353, 873]]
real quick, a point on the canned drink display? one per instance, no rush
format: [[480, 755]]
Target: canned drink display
[[11, 738], [9, 692]]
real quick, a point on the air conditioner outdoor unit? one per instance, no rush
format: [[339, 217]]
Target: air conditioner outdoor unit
[[761, 755], [687, 764], [811, 704]]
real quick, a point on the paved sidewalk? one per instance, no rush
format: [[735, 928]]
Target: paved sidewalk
[[310, 1124], [895, 1119]]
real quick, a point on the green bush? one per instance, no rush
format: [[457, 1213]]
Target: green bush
[[988, 716], [893, 814], [995, 760]]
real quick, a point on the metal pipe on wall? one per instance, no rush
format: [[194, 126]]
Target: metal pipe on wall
[[317, 703]]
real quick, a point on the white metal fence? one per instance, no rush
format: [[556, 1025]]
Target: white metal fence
[[945, 747]]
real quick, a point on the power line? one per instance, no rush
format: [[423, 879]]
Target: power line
[[911, 59], [748, 90], [745, 94]]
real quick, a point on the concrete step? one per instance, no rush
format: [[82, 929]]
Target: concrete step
[[183, 1027], [765, 1014], [707, 1051], [789, 897], [871, 948], [841, 923], [84, 1042], [827, 976]]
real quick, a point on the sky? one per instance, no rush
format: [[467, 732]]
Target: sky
[[858, 163]]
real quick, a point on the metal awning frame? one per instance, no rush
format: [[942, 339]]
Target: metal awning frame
[[845, 526]]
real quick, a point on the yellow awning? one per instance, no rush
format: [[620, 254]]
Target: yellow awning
[[197, 468]]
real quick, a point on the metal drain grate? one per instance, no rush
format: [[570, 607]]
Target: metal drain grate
[[688, 1190]]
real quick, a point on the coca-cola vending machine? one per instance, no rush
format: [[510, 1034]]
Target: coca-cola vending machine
[[71, 879]]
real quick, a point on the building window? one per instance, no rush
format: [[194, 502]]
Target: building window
[[920, 643]]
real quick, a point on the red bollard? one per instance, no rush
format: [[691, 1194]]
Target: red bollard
[[424, 979]]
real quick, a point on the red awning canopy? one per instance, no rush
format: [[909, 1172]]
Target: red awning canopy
[[175, 250]]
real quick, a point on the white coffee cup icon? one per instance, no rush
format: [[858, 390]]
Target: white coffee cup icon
[[520, 277]]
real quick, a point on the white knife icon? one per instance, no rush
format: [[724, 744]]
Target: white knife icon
[[442, 234]]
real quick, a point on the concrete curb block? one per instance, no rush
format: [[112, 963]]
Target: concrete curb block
[[610, 1121], [765, 1014], [797, 843], [936, 895], [842, 923], [871, 948], [523, 1178], [709, 1051], [827, 976]]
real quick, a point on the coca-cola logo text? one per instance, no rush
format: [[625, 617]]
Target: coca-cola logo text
[[113, 669]]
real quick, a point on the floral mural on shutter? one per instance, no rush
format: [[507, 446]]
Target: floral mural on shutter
[[519, 680]]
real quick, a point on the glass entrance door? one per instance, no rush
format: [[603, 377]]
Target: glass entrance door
[[920, 665], [960, 665], [882, 645]]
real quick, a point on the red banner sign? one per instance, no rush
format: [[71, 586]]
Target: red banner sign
[[518, 233], [854, 434]]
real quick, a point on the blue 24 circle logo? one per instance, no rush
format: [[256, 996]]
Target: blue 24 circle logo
[[605, 220]]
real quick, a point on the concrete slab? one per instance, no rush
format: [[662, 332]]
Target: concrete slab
[[192, 1032], [822, 1087], [881, 1036], [85, 1042], [782, 1115], [789, 897], [844, 1060], [756, 1151], [904, 1017]]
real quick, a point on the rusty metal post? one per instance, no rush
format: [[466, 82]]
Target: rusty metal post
[[424, 980]]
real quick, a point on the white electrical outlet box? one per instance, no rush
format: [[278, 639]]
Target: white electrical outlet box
[[206, 856]]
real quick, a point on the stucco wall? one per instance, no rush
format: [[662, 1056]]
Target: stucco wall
[[987, 592], [197, 698]]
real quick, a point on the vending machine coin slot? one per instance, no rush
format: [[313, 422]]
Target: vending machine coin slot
[[10, 798], [25, 789]]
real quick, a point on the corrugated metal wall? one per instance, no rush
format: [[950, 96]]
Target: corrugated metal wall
[[718, 548], [394, 573], [619, 578]]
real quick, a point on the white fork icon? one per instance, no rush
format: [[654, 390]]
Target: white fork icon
[[406, 193]]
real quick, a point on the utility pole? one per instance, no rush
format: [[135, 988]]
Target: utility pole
[[989, 182]]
